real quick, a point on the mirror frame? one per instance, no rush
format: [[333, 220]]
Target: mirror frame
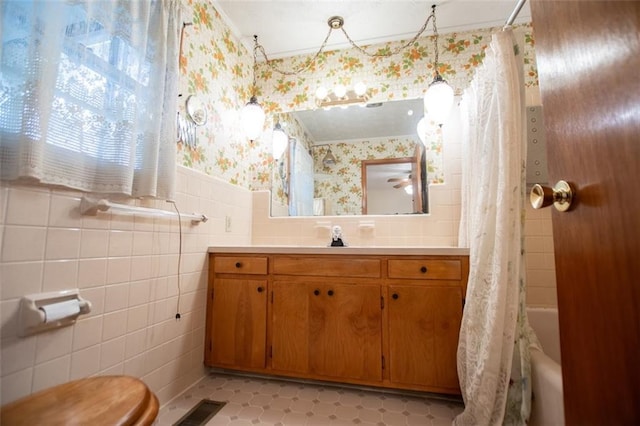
[[379, 162]]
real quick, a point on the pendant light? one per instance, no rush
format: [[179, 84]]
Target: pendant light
[[439, 97], [252, 115], [279, 141]]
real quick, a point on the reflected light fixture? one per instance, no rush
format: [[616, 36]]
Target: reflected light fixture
[[439, 97], [409, 189], [279, 141], [252, 115], [329, 159]]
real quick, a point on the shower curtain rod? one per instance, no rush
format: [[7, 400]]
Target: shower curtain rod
[[515, 12]]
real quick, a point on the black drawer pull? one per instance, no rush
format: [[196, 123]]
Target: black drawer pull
[[395, 296], [238, 265], [423, 269], [260, 289], [330, 292], [316, 292]]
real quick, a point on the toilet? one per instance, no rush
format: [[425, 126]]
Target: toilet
[[103, 400]]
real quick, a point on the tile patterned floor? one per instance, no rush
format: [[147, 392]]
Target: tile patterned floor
[[260, 401]]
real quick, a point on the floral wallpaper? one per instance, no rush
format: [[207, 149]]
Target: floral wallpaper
[[341, 184], [216, 67], [405, 75]]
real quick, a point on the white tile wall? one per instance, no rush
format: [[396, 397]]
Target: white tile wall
[[127, 267]]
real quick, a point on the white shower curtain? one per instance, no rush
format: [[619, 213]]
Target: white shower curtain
[[493, 352]]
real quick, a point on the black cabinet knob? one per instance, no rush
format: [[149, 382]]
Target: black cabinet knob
[[260, 289], [395, 296], [423, 269], [316, 292], [330, 292], [238, 265]]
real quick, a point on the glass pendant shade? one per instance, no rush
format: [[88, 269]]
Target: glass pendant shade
[[252, 117], [438, 100], [279, 141]]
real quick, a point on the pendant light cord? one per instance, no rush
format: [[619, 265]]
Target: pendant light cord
[[310, 61], [435, 40], [384, 53], [298, 70], [255, 65]]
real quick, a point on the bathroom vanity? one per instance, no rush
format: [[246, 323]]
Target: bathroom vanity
[[386, 317]]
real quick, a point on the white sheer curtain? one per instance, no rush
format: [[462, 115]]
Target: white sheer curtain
[[493, 353], [88, 94]]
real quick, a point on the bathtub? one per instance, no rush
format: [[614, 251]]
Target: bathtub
[[547, 406]]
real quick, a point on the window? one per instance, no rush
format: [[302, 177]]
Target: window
[[89, 94]]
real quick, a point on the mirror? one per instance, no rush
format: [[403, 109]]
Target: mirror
[[371, 147], [196, 110]]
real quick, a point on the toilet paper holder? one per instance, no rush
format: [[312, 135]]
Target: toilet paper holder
[[64, 307]]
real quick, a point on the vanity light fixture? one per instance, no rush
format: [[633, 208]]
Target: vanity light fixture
[[252, 115], [342, 96], [280, 140], [439, 97]]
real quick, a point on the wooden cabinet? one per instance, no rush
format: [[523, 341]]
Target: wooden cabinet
[[237, 313], [381, 320]]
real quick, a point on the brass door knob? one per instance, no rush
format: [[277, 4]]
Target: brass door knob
[[561, 196]]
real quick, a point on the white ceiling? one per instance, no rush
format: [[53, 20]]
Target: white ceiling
[[292, 27]]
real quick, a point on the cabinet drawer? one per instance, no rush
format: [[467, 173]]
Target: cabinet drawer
[[327, 267], [240, 265], [425, 269]]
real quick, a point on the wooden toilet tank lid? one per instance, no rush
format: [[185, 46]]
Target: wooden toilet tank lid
[[108, 400]]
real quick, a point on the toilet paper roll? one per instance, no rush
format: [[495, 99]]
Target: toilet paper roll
[[61, 310]]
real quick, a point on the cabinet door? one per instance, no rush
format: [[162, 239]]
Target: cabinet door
[[331, 330], [424, 323], [345, 329], [290, 327], [239, 323]]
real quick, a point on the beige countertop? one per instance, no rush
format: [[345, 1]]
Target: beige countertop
[[450, 251]]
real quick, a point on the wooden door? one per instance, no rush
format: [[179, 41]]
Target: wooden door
[[424, 323], [345, 331], [239, 320], [588, 56]]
